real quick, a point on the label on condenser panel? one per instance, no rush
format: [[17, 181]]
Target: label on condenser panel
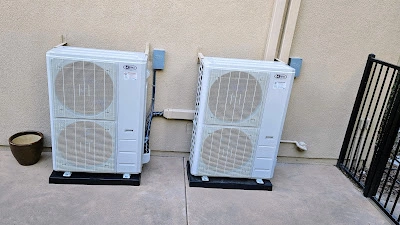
[[130, 76], [280, 81], [129, 93], [279, 85], [129, 71]]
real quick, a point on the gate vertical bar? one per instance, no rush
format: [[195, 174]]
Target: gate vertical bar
[[375, 131], [385, 144], [369, 94], [357, 103]]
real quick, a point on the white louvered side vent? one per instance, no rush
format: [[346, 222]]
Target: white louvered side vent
[[196, 114]]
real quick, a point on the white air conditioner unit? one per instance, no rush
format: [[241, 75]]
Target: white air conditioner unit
[[240, 111], [97, 110]]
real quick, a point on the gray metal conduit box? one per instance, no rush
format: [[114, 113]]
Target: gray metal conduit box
[[296, 63]]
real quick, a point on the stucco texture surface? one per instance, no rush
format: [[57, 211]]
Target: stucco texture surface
[[29, 29], [333, 38]]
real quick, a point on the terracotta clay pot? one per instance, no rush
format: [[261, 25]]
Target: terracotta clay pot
[[26, 147]]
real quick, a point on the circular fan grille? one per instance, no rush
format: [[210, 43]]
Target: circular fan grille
[[226, 149], [85, 144], [234, 96], [84, 87]]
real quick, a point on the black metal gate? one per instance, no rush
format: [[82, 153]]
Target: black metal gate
[[370, 152]]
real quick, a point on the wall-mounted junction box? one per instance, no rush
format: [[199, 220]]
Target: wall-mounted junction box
[[158, 59], [296, 63]]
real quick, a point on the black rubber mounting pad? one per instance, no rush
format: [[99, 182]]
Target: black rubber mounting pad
[[57, 177], [227, 183]]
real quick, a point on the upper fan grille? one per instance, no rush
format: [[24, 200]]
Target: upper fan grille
[[85, 145], [84, 90], [234, 97]]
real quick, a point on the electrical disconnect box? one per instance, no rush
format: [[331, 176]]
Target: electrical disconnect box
[[158, 59], [296, 63]]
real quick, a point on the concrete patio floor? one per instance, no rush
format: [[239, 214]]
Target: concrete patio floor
[[302, 194]]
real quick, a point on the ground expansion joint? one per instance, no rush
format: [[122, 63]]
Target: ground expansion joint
[[185, 184]]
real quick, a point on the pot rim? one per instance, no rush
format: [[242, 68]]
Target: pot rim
[[25, 133]]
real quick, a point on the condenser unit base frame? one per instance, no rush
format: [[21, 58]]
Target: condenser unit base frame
[[57, 177], [227, 183]]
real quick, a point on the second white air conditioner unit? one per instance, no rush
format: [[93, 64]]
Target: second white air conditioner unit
[[239, 116], [97, 109]]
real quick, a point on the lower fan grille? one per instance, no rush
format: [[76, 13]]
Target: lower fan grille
[[85, 146], [227, 152]]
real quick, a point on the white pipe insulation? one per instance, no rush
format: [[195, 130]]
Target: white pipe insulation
[[300, 145]]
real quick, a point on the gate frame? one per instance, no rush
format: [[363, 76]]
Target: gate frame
[[385, 142]]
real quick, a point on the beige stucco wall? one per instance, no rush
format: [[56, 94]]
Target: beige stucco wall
[[333, 38], [30, 28]]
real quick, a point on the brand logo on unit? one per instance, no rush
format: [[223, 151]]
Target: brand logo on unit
[[280, 76], [130, 67]]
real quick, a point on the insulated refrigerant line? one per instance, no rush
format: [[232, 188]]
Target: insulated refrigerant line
[[152, 113]]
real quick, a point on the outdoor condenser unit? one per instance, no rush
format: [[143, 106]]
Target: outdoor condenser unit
[[240, 111], [97, 110]]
